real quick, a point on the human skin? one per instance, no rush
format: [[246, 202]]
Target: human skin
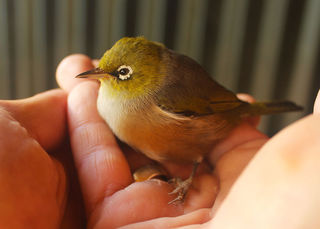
[[41, 167], [33, 183]]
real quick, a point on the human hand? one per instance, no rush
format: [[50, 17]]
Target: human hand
[[111, 197], [33, 183], [280, 187], [38, 125]]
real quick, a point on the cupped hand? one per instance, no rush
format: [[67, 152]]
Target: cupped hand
[[265, 193], [280, 186], [105, 166], [33, 183]]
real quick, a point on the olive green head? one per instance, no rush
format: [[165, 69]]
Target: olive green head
[[132, 67]]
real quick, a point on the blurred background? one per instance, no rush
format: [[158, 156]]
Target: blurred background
[[268, 48]]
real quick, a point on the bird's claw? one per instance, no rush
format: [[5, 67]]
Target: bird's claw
[[181, 188], [179, 198]]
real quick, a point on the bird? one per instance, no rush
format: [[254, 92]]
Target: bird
[[166, 106]]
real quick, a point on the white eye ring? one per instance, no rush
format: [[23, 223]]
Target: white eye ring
[[124, 72]]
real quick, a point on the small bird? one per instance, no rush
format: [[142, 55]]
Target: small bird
[[165, 105]]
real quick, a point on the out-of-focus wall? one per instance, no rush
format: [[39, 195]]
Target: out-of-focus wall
[[268, 48]]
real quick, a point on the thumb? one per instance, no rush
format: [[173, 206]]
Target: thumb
[[43, 116]]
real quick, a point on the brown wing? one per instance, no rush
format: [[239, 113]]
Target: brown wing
[[191, 91]]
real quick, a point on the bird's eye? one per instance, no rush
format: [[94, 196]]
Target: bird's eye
[[125, 72]]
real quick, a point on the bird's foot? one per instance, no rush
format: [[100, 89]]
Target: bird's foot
[[181, 188]]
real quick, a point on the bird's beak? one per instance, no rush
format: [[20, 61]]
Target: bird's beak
[[95, 73]]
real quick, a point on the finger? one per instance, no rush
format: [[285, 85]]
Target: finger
[[71, 66], [246, 97], [95, 62], [202, 193], [238, 136], [101, 166], [194, 218], [231, 164], [252, 120], [138, 202], [43, 115], [283, 175], [232, 155], [316, 109]]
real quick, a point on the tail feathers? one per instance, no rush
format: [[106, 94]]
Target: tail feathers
[[260, 108]]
